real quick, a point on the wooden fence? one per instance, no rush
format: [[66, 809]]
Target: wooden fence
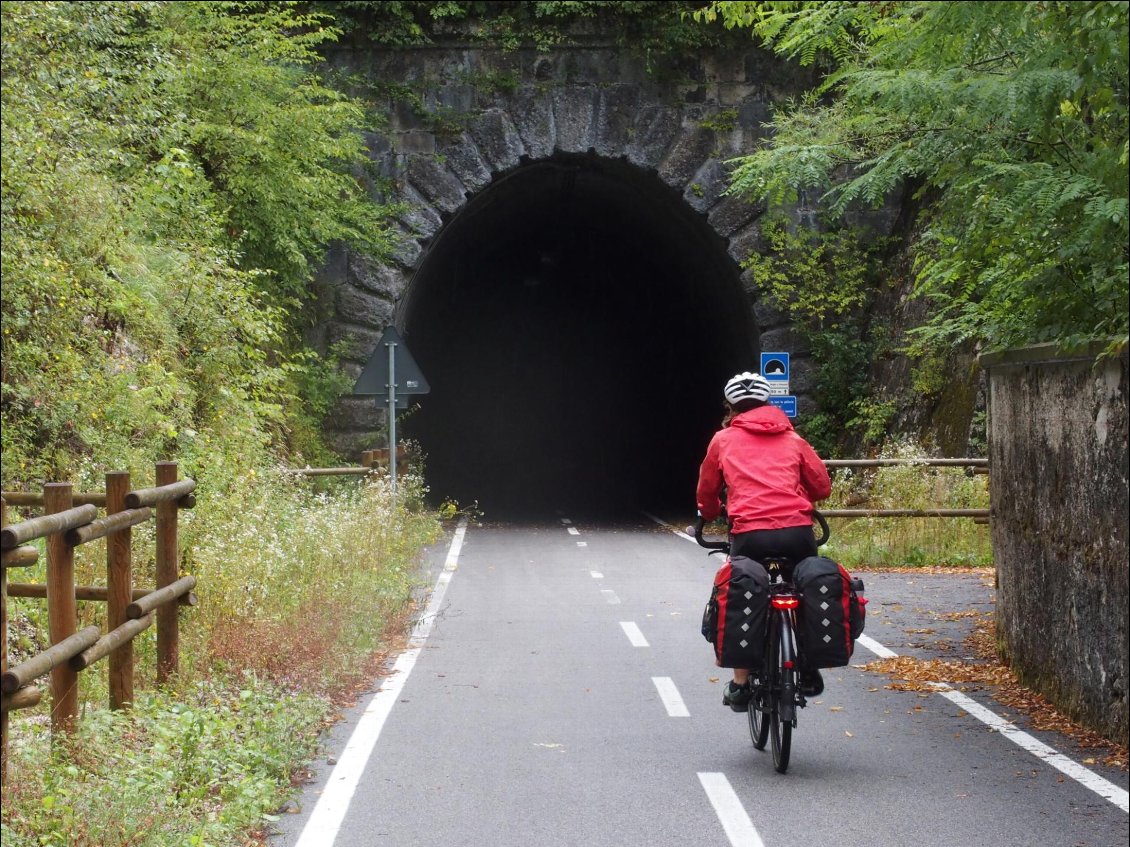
[[69, 520], [978, 466], [371, 460]]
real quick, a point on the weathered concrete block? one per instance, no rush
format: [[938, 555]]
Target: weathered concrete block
[[706, 186], [1058, 451]]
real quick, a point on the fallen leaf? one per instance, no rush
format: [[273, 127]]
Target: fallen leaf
[[848, 734], [835, 708], [713, 679]]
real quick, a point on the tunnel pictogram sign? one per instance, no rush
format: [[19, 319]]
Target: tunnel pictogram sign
[[775, 369]]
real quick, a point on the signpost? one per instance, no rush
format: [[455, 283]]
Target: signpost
[[393, 372], [775, 367]]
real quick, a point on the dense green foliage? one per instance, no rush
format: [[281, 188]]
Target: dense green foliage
[[654, 28], [172, 173], [1010, 120]]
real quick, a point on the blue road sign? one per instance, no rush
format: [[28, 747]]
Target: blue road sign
[[786, 403], [775, 367]]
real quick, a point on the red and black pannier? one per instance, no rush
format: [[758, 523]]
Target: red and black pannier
[[735, 616], [832, 612]]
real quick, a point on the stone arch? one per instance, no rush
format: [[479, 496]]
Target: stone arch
[[669, 141]]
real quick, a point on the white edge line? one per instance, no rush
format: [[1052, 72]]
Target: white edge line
[[1085, 777], [322, 827], [739, 828], [669, 694], [632, 630], [664, 523]]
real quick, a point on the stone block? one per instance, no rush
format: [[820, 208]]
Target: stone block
[[436, 184], [367, 273], [463, 159], [693, 146], [574, 111], [733, 215], [532, 112], [653, 133], [356, 342], [706, 186], [359, 307], [497, 139], [616, 111], [418, 217]]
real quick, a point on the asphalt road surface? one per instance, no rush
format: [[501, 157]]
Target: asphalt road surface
[[557, 692]]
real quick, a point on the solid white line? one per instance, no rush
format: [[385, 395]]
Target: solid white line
[[669, 694], [325, 821], [664, 523], [739, 828], [610, 596], [634, 635], [1087, 778], [573, 530]]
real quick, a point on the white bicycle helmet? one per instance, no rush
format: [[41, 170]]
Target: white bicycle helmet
[[747, 386]]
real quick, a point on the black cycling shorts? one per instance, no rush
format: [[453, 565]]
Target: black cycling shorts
[[793, 543]]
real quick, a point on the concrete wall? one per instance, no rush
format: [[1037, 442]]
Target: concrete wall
[[1058, 451]]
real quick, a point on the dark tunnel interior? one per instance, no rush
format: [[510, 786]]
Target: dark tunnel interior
[[576, 322]]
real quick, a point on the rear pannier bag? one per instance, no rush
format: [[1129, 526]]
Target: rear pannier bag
[[735, 616], [832, 612]]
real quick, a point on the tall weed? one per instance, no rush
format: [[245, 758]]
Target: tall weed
[[909, 542]]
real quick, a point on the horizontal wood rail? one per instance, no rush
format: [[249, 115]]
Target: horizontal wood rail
[[371, 461], [905, 513], [71, 520]]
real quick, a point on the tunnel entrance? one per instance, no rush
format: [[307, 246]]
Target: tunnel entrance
[[576, 321]]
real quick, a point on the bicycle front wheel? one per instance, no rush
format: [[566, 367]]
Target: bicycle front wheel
[[758, 722], [781, 734]]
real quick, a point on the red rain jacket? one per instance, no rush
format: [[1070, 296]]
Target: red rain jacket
[[772, 475]]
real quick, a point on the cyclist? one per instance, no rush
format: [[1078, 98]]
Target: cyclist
[[772, 477]]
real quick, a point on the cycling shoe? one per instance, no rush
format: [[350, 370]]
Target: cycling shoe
[[736, 696], [811, 683]]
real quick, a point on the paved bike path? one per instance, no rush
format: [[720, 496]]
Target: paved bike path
[[533, 716]]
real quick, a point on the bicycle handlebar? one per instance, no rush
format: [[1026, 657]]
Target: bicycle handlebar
[[822, 539]]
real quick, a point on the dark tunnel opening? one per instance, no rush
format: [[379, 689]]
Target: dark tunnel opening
[[576, 322]]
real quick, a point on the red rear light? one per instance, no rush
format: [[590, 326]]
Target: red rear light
[[788, 664], [785, 601]]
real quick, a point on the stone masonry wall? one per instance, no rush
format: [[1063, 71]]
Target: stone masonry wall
[[1058, 451]]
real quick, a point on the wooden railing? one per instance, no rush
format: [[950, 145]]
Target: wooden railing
[[979, 466], [371, 461], [70, 520]]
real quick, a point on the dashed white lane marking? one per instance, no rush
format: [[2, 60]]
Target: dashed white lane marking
[[566, 521], [1087, 778], [582, 544], [325, 821], [634, 635], [739, 828], [610, 596], [669, 694], [596, 574], [573, 530]]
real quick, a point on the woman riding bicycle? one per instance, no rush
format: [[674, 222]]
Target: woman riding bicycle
[[772, 477]]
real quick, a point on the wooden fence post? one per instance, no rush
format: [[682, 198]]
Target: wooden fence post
[[168, 639], [62, 613], [3, 649], [119, 591]]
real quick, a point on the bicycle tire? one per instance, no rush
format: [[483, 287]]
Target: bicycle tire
[[758, 724], [781, 736]]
